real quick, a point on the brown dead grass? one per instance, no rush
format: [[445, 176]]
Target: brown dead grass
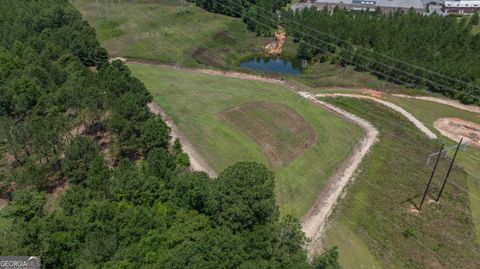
[[277, 129]]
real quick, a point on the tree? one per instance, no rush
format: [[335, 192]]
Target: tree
[[328, 260], [475, 19], [98, 176], [78, 156], [159, 163], [27, 204], [154, 134], [193, 191], [246, 196], [24, 95]]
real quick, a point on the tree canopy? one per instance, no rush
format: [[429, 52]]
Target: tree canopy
[[92, 180]]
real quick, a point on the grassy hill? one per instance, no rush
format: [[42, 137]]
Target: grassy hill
[[428, 113], [163, 32], [380, 205], [196, 101]]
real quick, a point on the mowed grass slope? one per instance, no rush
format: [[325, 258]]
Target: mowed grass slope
[[379, 205], [158, 31], [194, 102], [281, 133], [469, 160]]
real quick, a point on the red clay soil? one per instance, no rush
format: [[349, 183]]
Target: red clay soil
[[276, 46], [455, 129]]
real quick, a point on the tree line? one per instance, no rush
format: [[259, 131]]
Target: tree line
[[259, 15], [69, 117], [436, 53]]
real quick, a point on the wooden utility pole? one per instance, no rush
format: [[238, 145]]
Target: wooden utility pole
[[106, 7], [431, 177], [449, 170], [98, 11]]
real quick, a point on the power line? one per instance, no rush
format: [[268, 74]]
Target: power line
[[337, 46]]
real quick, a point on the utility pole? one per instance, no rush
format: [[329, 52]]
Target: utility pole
[[106, 7], [98, 11], [430, 180], [449, 170]]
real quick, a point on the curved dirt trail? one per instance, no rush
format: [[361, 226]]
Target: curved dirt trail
[[313, 223], [197, 163], [398, 109], [448, 102]]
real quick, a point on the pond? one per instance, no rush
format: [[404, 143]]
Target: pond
[[273, 65]]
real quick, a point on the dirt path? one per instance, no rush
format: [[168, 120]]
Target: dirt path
[[392, 106], [313, 223], [197, 163], [3, 203], [448, 102]]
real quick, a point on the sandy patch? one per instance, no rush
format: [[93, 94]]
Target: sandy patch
[[455, 129], [372, 93]]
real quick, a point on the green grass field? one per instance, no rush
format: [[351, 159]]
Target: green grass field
[[158, 31], [428, 113], [354, 253], [476, 29], [321, 76], [378, 205], [194, 102]]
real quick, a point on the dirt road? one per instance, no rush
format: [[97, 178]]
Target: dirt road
[[313, 223], [197, 163], [448, 102], [392, 106]]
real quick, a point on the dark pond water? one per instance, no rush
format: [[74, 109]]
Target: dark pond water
[[273, 65]]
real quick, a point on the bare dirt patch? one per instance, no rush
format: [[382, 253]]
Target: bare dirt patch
[[372, 93], [276, 46], [53, 196], [277, 129], [455, 129], [3, 203]]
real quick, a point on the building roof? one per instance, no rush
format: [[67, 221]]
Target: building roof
[[462, 3], [417, 4]]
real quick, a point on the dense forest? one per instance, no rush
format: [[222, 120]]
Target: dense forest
[[259, 15], [90, 175], [437, 53], [444, 49]]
